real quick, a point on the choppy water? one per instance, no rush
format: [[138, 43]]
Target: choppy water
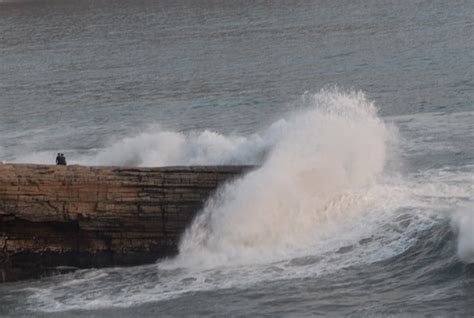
[[360, 114]]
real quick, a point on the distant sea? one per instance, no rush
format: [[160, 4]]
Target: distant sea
[[360, 115]]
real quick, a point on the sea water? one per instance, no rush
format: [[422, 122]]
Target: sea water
[[359, 115]]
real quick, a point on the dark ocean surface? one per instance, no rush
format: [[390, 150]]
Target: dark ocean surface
[[360, 114]]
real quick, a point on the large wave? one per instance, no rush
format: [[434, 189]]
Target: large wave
[[319, 172]]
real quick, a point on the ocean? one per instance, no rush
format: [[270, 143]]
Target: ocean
[[359, 115]]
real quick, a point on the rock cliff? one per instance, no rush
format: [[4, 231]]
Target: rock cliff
[[54, 217]]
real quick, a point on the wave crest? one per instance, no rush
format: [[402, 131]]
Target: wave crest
[[318, 173]]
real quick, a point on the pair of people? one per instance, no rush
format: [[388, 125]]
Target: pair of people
[[61, 159]]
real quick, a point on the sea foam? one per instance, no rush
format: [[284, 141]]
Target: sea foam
[[317, 174]]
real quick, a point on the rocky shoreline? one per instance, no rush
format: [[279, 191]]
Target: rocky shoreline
[[57, 218]]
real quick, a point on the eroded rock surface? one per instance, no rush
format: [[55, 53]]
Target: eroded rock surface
[[80, 216]]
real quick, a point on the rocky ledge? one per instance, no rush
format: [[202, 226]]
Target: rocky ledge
[[60, 217]]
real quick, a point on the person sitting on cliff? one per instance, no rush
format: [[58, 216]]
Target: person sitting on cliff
[[58, 159]]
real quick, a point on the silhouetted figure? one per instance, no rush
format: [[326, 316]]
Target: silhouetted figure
[[61, 159]]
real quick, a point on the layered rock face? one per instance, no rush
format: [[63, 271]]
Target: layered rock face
[[80, 216]]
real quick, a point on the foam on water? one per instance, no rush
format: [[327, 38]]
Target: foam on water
[[157, 147]]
